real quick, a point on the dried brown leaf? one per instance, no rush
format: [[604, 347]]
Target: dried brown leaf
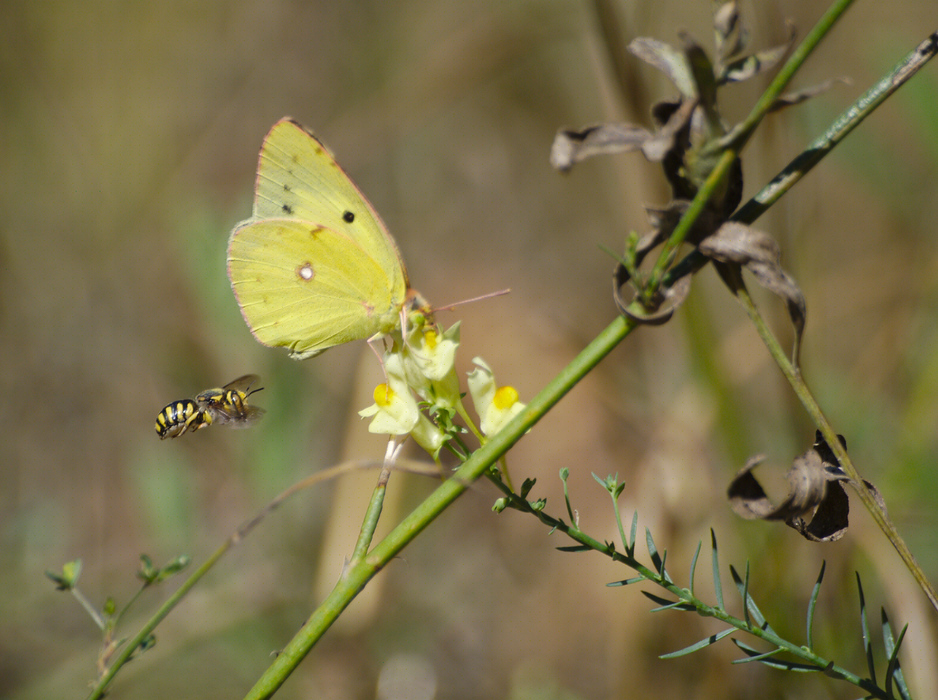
[[747, 67], [571, 146], [793, 98], [731, 35], [816, 505], [664, 304], [747, 497], [668, 60]]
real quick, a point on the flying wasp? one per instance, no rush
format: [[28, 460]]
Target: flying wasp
[[226, 405]]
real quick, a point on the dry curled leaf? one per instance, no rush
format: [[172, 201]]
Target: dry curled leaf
[[746, 67], [571, 146], [731, 35], [668, 60], [740, 245], [790, 99], [807, 488], [664, 303], [666, 300], [816, 505]]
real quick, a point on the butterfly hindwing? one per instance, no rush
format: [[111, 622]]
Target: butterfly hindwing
[[306, 287]]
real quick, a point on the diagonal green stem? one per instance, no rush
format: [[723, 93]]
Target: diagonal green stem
[[830, 435], [838, 131], [360, 573], [376, 504]]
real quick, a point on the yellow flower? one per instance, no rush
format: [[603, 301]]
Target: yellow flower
[[495, 405], [395, 410], [430, 366]]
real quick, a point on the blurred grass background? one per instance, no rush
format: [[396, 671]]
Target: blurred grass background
[[128, 143]]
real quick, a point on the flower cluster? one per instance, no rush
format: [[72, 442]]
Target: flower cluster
[[422, 395]]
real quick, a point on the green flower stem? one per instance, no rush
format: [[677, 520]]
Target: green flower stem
[[767, 101], [830, 435], [360, 573], [375, 506], [467, 419], [89, 608], [669, 249]]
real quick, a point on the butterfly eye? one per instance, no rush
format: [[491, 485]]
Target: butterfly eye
[[348, 217]]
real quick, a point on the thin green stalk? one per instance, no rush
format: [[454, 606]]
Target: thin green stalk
[[830, 435], [373, 513], [787, 71], [376, 504], [131, 646], [89, 608], [838, 131], [359, 574], [669, 249]]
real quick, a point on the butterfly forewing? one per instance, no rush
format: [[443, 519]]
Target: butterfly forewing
[[298, 178]]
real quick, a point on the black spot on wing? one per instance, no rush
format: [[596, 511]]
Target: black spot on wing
[[348, 217], [287, 209]]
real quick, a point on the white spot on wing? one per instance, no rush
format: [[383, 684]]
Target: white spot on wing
[[305, 272]]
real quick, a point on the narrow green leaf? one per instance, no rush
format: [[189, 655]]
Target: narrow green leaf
[[717, 586], [693, 568], [575, 548], [668, 604], [626, 582], [683, 607], [605, 483], [664, 572], [867, 640], [653, 551], [751, 608], [813, 602], [765, 658], [893, 672], [712, 639], [658, 599], [632, 534]]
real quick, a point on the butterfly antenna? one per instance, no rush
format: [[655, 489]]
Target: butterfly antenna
[[490, 295]]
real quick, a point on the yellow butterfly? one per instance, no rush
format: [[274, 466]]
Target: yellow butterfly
[[315, 266]]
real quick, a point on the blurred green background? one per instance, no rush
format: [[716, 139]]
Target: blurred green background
[[129, 135]]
